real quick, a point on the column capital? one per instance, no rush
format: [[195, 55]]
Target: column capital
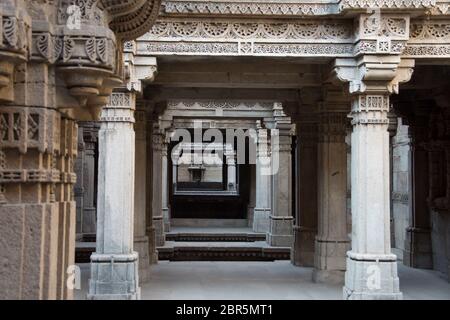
[[370, 109], [120, 108], [373, 74]]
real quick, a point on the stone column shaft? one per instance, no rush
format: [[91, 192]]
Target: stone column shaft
[[262, 209], [150, 228], [281, 219], [332, 241], [140, 197], [157, 206], [114, 265], [418, 248], [305, 228], [371, 267], [165, 187]]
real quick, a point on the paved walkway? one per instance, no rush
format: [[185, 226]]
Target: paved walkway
[[262, 280]]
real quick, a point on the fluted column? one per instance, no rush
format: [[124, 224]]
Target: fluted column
[[262, 209], [371, 267], [332, 242], [305, 228], [114, 265], [140, 197]]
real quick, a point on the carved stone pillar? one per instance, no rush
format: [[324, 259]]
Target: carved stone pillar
[[38, 147], [281, 219], [305, 228], [114, 265], [157, 209], [332, 241], [371, 267], [262, 210], [55, 68], [371, 271], [140, 197], [418, 248]]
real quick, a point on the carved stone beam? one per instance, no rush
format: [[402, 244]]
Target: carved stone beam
[[349, 6]]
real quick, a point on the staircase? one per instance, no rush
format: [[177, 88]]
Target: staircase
[[219, 244]]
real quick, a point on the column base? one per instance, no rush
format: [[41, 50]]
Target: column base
[[141, 247], [166, 217], [261, 220], [280, 231], [330, 260], [114, 276], [302, 251], [418, 248], [371, 277], [160, 237]]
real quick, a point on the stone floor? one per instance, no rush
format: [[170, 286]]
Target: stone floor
[[261, 280]]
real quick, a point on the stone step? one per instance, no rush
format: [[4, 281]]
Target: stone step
[[223, 253], [205, 251], [215, 237]]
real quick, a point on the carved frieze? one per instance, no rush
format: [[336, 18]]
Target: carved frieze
[[267, 38], [219, 104], [249, 7], [429, 39], [325, 30], [284, 8]]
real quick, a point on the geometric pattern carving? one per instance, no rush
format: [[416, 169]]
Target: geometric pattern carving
[[246, 30], [246, 7], [219, 104], [370, 109]]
